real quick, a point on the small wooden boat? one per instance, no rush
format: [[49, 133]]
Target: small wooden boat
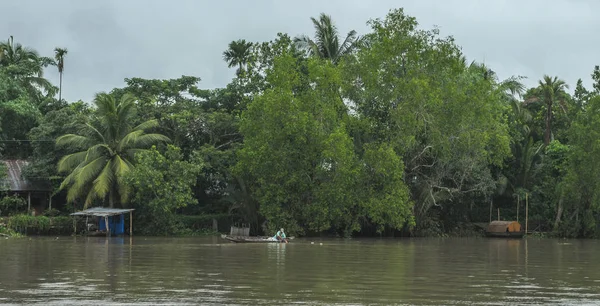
[[96, 233], [252, 239]]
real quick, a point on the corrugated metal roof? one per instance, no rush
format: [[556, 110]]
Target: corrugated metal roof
[[15, 181], [101, 212]]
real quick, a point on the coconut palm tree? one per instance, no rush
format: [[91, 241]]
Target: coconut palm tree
[[26, 66], [551, 91], [237, 54], [326, 43], [59, 56], [105, 151], [13, 54]]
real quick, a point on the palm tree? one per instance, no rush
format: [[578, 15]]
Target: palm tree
[[327, 43], [13, 54], [238, 54], [59, 56], [551, 91], [106, 151], [28, 66]]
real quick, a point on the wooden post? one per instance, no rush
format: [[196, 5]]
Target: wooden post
[[491, 204], [518, 204], [130, 223], [107, 227], [498, 214], [50, 202], [526, 213], [28, 201]]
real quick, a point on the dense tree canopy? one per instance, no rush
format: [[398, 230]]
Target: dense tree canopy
[[392, 132]]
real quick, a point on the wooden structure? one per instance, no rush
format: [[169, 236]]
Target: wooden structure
[[243, 230], [107, 221], [253, 239], [511, 229], [38, 194]]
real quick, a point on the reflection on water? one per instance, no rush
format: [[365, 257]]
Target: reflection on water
[[151, 271]]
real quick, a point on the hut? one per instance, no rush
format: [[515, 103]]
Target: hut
[[36, 193], [504, 229], [106, 221]]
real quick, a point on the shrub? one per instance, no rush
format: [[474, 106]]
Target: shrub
[[41, 225], [11, 205]]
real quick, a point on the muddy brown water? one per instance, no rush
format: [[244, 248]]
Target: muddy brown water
[[210, 271]]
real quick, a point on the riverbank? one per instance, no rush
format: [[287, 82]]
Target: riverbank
[[181, 226], [6, 232], [201, 226]]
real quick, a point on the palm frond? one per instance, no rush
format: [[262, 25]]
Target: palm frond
[[73, 141], [147, 140], [89, 199], [88, 172], [120, 167], [67, 181], [513, 85], [71, 161], [99, 149], [304, 43], [74, 192], [104, 181], [129, 139], [39, 82], [96, 132], [147, 125], [349, 44]]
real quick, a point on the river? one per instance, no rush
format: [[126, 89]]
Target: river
[[210, 271]]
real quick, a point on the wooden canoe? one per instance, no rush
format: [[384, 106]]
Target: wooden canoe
[[505, 234], [252, 239]]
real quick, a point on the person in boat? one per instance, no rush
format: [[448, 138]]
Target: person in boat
[[280, 236]]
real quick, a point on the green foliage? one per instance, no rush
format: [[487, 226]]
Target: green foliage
[[3, 176], [161, 185], [10, 205], [7, 232], [581, 184], [305, 173], [66, 120], [105, 151], [40, 225], [392, 131], [203, 224], [444, 118], [22, 223], [238, 54], [327, 44]]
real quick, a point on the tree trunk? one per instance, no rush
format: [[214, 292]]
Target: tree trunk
[[60, 88], [111, 199], [558, 213], [548, 125]]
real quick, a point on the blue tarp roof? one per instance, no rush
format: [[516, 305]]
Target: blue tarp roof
[[101, 212]]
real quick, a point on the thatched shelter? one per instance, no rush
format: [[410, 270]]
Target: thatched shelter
[[505, 229]]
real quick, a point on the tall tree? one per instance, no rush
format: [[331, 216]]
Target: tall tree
[[237, 54], [25, 65], [13, 54], [59, 56], [551, 91], [326, 43], [105, 151]]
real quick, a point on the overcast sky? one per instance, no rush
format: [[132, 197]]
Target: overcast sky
[[112, 40]]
